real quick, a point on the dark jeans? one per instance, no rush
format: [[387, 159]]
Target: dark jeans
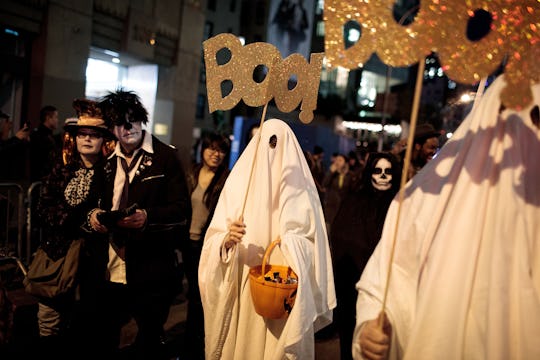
[[195, 314], [148, 308]]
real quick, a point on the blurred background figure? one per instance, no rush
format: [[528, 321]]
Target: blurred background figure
[[13, 150], [45, 146], [337, 183], [355, 165], [13, 153], [205, 182], [356, 230], [251, 132], [318, 170], [425, 147]]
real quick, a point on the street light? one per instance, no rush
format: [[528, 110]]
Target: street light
[[465, 98]]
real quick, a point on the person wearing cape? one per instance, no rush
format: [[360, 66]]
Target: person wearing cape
[[465, 280], [282, 202]]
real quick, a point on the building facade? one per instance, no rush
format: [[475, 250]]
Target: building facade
[[48, 46]]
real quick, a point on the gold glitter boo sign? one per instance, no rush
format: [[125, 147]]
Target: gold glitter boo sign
[[241, 66], [441, 26]]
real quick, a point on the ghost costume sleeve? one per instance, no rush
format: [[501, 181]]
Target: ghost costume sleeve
[[282, 202], [465, 280]]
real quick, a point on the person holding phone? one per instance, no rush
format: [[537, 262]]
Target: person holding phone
[[13, 149], [141, 258]]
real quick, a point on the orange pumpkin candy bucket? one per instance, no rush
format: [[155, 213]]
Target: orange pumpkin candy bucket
[[273, 287]]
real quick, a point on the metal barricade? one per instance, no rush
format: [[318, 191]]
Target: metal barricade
[[19, 234], [33, 232], [12, 218]]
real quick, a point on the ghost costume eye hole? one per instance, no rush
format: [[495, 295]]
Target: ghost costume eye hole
[[273, 141]]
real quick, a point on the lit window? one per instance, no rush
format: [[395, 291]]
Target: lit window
[[440, 72], [342, 77], [101, 76], [320, 7], [367, 92], [320, 28]]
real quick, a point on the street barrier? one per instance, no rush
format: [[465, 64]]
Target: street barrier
[[19, 235], [12, 218], [33, 232]]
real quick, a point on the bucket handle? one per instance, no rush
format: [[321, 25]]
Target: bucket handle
[[267, 253]]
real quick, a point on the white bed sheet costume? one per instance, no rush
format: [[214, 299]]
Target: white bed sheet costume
[[465, 281], [282, 202]]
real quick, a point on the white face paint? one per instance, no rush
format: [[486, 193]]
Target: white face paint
[[129, 137], [381, 179]]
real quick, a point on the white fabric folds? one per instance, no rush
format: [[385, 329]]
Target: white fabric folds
[[282, 202], [465, 279]]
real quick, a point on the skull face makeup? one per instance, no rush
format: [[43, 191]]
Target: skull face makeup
[[381, 178]]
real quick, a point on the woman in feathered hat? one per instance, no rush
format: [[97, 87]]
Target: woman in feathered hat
[[69, 193]]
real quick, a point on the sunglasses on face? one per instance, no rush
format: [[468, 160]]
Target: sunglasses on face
[[92, 134], [126, 124], [126, 120]]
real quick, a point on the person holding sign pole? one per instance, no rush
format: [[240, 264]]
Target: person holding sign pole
[[281, 202], [459, 276]]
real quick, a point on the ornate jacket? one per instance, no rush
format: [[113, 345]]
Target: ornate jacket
[[68, 194]]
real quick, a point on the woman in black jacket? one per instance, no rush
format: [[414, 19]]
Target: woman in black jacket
[[69, 194]]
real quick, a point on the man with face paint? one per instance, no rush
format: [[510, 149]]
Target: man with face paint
[[146, 174], [357, 228]]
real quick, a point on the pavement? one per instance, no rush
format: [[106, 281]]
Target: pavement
[[326, 344], [25, 331]]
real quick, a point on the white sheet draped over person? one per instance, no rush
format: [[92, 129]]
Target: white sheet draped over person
[[465, 281], [282, 202]]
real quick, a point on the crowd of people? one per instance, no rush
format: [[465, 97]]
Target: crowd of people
[[123, 200], [120, 197], [123, 197]]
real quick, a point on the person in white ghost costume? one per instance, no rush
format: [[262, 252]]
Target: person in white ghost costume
[[465, 280], [282, 202]]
